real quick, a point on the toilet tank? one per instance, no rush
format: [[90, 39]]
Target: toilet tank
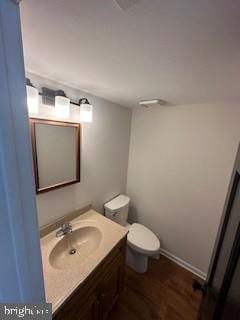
[[117, 209]]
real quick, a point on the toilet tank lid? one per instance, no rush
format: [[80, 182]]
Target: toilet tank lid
[[117, 203]]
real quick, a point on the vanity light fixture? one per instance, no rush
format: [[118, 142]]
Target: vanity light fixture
[[32, 97], [61, 102], [86, 110]]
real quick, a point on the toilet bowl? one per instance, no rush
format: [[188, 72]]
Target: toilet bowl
[[142, 243]]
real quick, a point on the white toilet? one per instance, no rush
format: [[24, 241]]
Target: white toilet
[[141, 242]]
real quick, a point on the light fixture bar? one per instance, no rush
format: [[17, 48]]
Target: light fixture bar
[[48, 96], [59, 100]]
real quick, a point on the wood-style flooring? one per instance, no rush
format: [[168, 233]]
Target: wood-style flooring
[[164, 292]]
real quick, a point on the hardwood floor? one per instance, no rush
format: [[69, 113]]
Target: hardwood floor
[[164, 292]]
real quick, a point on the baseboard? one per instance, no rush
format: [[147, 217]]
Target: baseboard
[[184, 264]]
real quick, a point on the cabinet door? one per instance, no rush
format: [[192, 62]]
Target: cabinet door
[[96, 297], [84, 310], [111, 286]]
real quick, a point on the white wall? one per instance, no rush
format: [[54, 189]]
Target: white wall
[[104, 155], [180, 164]]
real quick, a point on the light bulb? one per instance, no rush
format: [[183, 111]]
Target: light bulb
[[32, 99], [86, 112], [62, 106]]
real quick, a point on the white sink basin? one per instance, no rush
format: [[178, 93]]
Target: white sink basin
[[74, 248]]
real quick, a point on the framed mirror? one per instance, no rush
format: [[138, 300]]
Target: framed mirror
[[56, 153]]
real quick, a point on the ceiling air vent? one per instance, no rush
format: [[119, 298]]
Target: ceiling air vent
[[126, 4], [156, 102]]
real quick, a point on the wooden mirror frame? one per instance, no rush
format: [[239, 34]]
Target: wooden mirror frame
[[32, 123]]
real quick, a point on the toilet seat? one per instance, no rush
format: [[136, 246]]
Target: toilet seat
[[143, 240]]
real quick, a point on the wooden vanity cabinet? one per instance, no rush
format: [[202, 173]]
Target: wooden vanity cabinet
[[94, 299]]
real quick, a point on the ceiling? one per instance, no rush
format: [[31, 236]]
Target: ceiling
[[183, 52]]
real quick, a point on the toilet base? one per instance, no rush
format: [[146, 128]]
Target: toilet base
[[136, 261]]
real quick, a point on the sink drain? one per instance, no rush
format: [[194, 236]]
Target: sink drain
[[72, 251]]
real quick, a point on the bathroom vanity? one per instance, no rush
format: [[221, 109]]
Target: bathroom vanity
[[84, 285], [94, 299]]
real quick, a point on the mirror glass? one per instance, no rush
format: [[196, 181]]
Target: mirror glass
[[56, 153]]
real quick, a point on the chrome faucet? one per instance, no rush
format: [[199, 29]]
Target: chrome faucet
[[65, 229]]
